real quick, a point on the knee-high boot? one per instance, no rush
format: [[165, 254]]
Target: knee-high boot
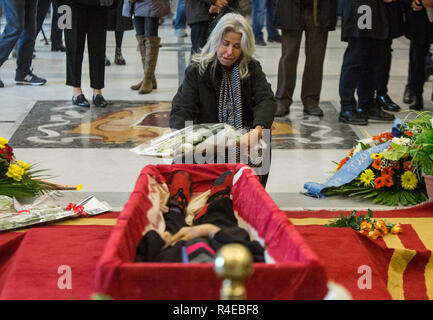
[[152, 51], [141, 40]]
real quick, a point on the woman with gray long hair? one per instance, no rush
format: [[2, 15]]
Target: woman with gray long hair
[[224, 83]]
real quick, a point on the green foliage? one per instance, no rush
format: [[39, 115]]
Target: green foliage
[[396, 152], [350, 221]]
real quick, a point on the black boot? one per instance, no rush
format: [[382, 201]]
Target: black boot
[[386, 103], [417, 104], [375, 112], [118, 59], [407, 95], [107, 62], [351, 116]]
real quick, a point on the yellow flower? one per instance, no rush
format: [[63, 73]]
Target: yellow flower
[[15, 172], [24, 165], [3, 141], [377, 156], [367, 176], [409, 180]]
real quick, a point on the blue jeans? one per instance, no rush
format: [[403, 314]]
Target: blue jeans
[[180, 22], [262, 8], [20, 27]]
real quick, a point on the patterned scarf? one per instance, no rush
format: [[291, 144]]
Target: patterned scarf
[[230, 100]]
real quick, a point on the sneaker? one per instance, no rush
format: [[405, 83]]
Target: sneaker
[[180, 33], [180, 187], [31, 79], [260, 42]]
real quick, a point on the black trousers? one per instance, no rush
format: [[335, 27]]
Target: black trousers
[[56, 32], [146, 26], [383, 66], [199, 34], [358, 73], [90, 22], [416, 79]]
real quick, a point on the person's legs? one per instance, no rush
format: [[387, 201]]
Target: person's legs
[[417, 73], [42, 10], [56, 32], [381, 72], [75, 42], [96, 44], [290, 44], [199, 33], [14, 12], [273, 34], [118, 59], [258, 20], [180, 22], [315, 48], [26, 45], [150, 51], [349, 78]]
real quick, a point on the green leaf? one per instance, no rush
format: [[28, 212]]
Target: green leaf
[[396, 152]]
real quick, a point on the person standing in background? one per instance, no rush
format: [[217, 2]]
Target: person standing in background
[[56, 32], [20, 28], [384, 55], [262, 9], [180, 21], [119, 24], [419, 30], [316, 19], [360, 59], [89, 20], [146, 15]]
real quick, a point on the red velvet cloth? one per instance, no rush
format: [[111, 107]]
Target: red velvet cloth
[[296, 274]]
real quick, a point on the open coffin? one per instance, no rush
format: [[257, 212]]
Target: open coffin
[[292, 270]]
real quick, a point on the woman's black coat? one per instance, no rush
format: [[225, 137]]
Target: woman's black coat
[[288, 14], [197, 98], [386, 19], [417, 26]]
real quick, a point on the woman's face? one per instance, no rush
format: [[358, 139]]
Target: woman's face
[[230, 49]]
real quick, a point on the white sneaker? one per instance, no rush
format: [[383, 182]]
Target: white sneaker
[[180, 33]]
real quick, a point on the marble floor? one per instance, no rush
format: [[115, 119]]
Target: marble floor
[[28, 118]]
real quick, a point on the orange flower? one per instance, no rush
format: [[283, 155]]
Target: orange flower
[[351, 152], [379, 182], [408, 166], [374, 234], [387, 171], [384, 230], [366, 226], [396, 229], [342, 162], [379, 224], [377, 164], [389, 182], [408, 133], [387, 136]]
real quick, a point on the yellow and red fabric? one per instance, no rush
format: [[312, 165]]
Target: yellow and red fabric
[[401, 265]]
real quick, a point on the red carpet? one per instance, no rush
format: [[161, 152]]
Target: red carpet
[[401, 265]]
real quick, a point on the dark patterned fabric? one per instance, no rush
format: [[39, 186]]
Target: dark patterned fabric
[[230, 100]]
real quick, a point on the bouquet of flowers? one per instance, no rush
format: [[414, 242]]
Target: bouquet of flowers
[[395, 163], [366, 225], [17, 178]]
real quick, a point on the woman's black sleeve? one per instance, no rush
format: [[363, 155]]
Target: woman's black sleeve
[[185, 104], [264, 104]]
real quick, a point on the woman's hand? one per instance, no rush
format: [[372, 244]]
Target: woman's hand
[[221, 3], [416, 5], [252, 138], [214, 9], [188, 233]]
